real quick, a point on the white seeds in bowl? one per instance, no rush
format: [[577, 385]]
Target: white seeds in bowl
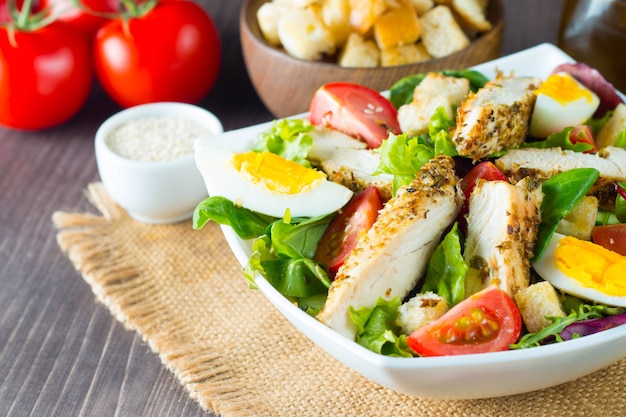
[[155, 138]]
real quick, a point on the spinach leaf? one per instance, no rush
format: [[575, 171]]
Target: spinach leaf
[[402, 91], [561, 194], [284, 257], [376, 328], [446, 270], [246, 223]]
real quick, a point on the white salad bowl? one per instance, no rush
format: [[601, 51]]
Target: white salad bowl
[[452, 377]]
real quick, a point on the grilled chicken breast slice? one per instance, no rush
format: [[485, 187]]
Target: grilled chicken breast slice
[[391, 257], [542, 164], [502, 226], [496, 117]]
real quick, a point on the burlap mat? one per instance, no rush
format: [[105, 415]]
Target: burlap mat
[[183, 291]]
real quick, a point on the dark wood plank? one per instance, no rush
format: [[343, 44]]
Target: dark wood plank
[[61, 353]]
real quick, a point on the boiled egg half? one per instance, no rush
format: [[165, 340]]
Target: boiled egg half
[[584, 269], [267, 183], [561, 102]]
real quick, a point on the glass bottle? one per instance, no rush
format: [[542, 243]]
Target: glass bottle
[[594, 32]]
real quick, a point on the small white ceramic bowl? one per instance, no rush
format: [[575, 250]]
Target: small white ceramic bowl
[[154, 192]]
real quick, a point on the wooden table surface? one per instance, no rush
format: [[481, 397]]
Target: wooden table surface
[[61, 353]]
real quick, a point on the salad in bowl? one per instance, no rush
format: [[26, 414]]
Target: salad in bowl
[[461, 229]]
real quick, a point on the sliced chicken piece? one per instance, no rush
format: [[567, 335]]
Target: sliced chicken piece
[[502, 226], [496, 117], [327, 141], [436, 90], [542, 164], [392, 256], [354, 169]]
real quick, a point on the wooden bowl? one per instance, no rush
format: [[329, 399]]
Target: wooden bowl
[[286, 84]]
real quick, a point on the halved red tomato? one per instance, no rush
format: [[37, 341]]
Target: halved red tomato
[[355, 110], [487, 321], [583, 133], [611, 236], [343, 232]]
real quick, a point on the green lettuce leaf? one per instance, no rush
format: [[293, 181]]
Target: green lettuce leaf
[[288, 138], [620, 142], [446, 270], [377, 331]]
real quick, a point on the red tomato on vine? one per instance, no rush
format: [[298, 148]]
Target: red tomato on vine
[[46, 70], [165, 51], [86, 15]]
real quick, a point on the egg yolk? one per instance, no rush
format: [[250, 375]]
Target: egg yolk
[[592, 265], [276, 173], [563, 89]]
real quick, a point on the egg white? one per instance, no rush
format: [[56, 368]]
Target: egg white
[[222, 179], [547, 269], [549, 116]]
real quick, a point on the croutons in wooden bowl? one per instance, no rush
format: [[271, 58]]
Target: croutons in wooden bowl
[[286, 83]]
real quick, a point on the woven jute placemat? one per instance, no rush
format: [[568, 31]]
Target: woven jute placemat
[[183, 291]]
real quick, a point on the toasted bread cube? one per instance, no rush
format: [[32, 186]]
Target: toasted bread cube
[[536, 302], [616, 124], [363, 13], [580, 222], [473, 14], [404, 54], [336, 17], [435, 90], [359, 53], [298, 4], [422, 6], [397, 26], [304, 35], [420, 310], [441, 33]]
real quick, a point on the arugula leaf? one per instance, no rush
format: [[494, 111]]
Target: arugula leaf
[[401, 92], [559, 140], [288, 138], [246, 223], [446, 270], [376, 328], [561, 194], [553, 331]]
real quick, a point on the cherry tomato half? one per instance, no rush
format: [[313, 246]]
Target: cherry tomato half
[[612, 237], [487, 321], [45, 76], [343, 232], [583, 133], [172, 53], [355, 110]]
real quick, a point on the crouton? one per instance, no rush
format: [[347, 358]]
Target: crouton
[[616, 124], [397, 26], [268, 16], [363, 13], [422, 6], [420, 310], [473, 14], [441, 33], [359, 52], [304, 35], [404, 54], [536, 302], [435, 90], [336, 17], [580, 222]]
